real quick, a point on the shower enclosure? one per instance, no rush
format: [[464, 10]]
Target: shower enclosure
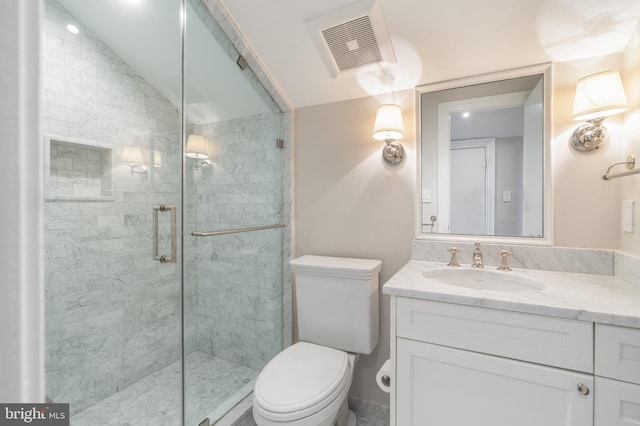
[[164, 224]]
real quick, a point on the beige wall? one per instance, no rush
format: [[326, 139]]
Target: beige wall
[[350, 203], [631, 185], [586, 208]]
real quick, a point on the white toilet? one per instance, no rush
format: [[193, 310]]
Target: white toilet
[[337, 305]]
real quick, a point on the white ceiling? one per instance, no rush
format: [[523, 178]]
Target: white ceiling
[[498, 123], [433, 40]]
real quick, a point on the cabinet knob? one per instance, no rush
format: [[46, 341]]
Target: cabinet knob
[[583, 389]]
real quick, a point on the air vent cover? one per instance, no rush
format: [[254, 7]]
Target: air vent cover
[[352, 37], [353, 43]]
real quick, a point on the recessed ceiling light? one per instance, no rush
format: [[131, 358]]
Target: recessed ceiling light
[[73, 29]]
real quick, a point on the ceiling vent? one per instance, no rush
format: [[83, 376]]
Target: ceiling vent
[[352, 37]]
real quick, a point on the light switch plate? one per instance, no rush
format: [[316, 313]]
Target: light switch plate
[[506, 196], [426, 195], [628, 214]]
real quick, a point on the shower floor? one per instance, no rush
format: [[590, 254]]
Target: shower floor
[[214, 386]]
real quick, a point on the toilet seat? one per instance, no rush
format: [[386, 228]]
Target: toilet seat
[[300, 381]]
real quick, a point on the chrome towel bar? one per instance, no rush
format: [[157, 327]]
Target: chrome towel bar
[[235, 231], [630, 163]]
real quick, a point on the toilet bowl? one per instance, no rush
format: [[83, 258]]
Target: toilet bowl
[[305, 385]]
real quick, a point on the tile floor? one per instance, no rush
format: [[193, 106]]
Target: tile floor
[[155, 400], [367, 414]]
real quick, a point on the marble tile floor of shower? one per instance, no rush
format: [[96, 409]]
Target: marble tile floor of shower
[[214, 386]]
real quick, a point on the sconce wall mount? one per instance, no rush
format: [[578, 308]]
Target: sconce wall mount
[[393, 152], [139, 169], [588, 136]]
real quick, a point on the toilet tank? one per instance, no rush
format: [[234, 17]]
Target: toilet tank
[[337, 302]]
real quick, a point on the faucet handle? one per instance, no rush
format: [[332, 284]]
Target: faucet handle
[[454, 259], [477, 257], [504, 265]]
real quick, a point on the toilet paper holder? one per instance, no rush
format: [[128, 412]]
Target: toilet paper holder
[[383, 377], [386, 380]]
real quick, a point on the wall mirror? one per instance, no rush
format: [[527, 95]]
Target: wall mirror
[[483, 157]]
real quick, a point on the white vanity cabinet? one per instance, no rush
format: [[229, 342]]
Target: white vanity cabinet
[[617, 370], [564, 352], [461, 365]]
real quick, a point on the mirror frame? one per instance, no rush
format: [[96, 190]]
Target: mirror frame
[[547, 214]]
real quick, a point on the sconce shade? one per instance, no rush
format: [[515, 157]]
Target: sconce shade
[[197, 147], [599, 95], [131, 155], [388, 125]]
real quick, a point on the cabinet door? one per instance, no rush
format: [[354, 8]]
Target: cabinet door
[[618, 353], [617, 403], [439, 386]]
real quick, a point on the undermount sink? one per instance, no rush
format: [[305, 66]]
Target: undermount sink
[[482, 279]]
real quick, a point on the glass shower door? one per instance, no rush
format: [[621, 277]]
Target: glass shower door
[[147, 324], [112, 123], [233, 213]]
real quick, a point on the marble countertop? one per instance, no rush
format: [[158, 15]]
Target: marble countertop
[[599, 298]]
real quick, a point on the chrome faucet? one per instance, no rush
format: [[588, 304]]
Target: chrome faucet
[[454, 259], [504, 265], [477, 257]]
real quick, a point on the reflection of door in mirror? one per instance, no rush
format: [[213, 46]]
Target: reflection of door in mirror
[[472, 186], [460, 192], [500, 118]]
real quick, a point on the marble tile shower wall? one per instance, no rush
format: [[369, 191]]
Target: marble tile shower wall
[[239, 290], [112, 313]]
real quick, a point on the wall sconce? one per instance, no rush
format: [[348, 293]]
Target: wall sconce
[[132, 156], [597, 97], [157, 158], [388, 127], [198, 149]]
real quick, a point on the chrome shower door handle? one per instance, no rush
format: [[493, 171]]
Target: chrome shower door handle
[[174, 233]]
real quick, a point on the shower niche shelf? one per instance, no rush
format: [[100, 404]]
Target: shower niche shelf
[[77, 170]]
